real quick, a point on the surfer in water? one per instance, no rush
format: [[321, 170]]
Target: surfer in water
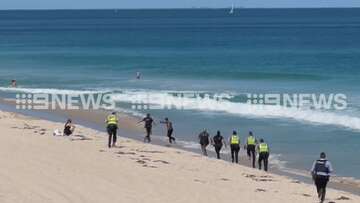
[[138, 75], [13, 83]]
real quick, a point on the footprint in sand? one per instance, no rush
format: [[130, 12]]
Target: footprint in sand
[[125, 153], [147, 151], [141, 161], [199, 181], [261, 179], [162, 161], [81, 138], [342, 198], [148, 166], [249, 175], [260, 190], [306, 195], [265, 176]]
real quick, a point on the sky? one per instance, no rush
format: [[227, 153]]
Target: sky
[[99, 4]]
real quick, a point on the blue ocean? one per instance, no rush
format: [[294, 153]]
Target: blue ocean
[[252, 51]]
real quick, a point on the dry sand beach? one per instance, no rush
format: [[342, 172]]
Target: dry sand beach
[[38, 167]]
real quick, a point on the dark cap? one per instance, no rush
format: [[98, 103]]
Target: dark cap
[[322, 155]]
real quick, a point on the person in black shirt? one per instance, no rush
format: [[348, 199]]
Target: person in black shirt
[[148, 126], [69, 128], [204, 141], [218, 142], [170, 129]]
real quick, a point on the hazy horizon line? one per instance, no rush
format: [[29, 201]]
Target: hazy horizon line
[[172, 8]]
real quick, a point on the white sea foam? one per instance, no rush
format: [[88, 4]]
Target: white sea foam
[[49, 91], [166, 99]]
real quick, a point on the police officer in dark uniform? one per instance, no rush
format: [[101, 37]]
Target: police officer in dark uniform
[[320, 172]]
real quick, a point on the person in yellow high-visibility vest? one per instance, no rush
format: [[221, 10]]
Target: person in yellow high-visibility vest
[[235, 147], [112, 126], [251, 147], [264, 152]]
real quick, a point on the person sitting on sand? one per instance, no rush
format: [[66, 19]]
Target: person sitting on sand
[[320, 171], [148, 126], [218, 141], [204, 141], [235, 147], [169, 128], [69, 128]]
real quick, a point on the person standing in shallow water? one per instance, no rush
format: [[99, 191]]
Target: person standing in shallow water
[[321, 171], [13, 83], [234, 147], [204, 141], [170, 129], [218, 142], [149, 121]]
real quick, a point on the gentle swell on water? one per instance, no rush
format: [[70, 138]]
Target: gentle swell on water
[[163, 99], [166, 99], [49, 91]]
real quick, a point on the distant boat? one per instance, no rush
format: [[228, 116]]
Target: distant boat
[[232, 9]]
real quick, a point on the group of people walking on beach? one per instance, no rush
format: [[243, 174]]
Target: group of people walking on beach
[[320, 170], [252, 146], [112, 126]]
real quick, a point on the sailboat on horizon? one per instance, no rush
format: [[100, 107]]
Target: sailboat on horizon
[[232, 9]]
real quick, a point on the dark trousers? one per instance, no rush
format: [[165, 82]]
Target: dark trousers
[[148, 133], [203, 149], [169, 134], [264, 157], [235, 153], [251, 153], [321, 182], [112, 130], [217, 150]]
